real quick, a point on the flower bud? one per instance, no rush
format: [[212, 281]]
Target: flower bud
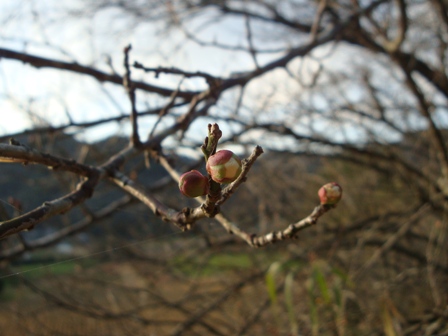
[[224, 166], [330, 193], [193, 184]]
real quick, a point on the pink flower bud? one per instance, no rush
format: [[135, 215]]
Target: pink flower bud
[[193, 184], [330, 193], [224, 166]]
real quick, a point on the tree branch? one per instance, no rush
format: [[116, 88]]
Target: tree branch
[[41, 62]]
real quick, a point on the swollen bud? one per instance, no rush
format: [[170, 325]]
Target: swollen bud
[[224, 166], [193, 184], [330, 193]]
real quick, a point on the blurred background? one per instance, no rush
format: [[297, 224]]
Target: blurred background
[[343, 90]]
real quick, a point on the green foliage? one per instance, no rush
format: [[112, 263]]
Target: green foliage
[[325, 290], [212, 265], [34, 271], [271, 274], [289, 295]]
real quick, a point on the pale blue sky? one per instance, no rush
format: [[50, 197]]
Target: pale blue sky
[[40, 27]]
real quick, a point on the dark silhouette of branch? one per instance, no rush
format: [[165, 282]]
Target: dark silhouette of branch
[[49, 209], [41, 62], [89, 310], [232, 290]]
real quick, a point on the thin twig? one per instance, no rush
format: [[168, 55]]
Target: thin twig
[[165, 110], [183, 327], [175, 71], [130, 89], [317, 20], [392, 240]]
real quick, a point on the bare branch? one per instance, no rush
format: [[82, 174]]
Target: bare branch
[[130, 88], [41, 62], [272, 237], [17, 152], [183, 327], [394, 238], [425, 109], [394, 45], [175, 71], [49, 209]]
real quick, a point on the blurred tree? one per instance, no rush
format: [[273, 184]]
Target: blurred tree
[[352, 91]]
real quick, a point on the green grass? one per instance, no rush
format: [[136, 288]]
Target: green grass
[[37, 270], [215, 264], [230, 262]]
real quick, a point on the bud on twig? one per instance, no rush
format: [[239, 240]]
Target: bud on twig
[[193, 184], [224, 166], [330, 193]]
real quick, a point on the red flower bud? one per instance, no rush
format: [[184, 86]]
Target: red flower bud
[[224, 166], [193, 184], [330, 193]]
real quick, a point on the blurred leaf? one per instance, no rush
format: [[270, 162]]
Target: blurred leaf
[[313, 310], [341, 274], [270, 281], [387, 321], [319, 279], [337, 292], [289, 285]]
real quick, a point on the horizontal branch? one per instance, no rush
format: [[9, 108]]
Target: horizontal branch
[[18, 153], [81, 125], [41, 62], [175, 71]]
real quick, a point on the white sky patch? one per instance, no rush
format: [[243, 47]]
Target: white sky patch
[[12, 119], [277, 97], [102, 37]]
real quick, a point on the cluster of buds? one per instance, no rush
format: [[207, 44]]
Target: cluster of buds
[[223, 167], [330, 193]]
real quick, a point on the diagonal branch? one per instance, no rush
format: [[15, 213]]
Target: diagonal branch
[[183, 327], [182, 219], [49, 209], [274, 236], [425, 109], [391, 241]]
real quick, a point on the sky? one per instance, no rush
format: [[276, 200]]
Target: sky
[[31, 96], [40, 28]]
